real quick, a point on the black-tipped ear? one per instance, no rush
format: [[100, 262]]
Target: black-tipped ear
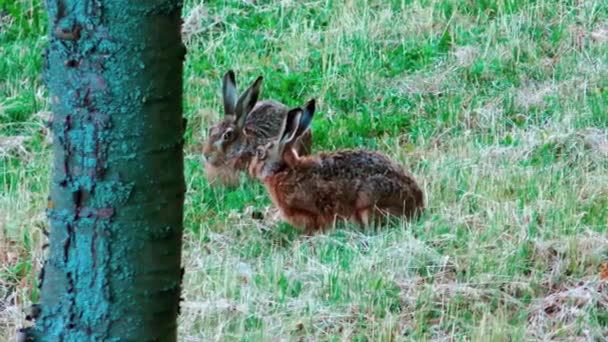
[[247, 101], [306, 118], [289, 128], [229, 93]]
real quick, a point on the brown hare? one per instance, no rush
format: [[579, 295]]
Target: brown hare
[[312, 191], [247, 124]]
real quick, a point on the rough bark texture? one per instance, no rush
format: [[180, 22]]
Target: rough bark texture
[[114, 74]]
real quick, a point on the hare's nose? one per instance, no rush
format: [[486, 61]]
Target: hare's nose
[[209, 159], [207, 155]]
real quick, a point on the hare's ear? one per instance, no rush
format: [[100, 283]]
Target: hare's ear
[[229, 93], [289, 128], [246, 102], [306, 118]]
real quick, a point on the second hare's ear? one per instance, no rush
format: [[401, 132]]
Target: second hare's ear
[[229, 93], [306, 118], [247, 101], [289, 128]]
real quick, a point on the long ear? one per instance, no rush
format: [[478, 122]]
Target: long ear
[[246, 102], [229, 93], [306, 118], [289, 129]]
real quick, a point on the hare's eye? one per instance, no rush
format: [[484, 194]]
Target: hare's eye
[[260, 153], [228, 135]]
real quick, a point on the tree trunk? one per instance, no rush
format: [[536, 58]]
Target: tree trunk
[[114, 74]]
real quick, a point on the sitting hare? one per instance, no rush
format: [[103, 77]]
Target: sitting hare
[[247, 124], [312, 191]]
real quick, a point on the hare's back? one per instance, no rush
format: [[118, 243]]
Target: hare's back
[[376, 175], [357, 164]]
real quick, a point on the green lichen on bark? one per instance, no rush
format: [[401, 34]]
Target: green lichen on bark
[[114, 74]]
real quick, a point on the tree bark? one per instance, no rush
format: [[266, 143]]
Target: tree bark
[[114, 74]]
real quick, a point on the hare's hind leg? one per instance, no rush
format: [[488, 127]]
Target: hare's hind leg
[[404, 205], [398, 211]]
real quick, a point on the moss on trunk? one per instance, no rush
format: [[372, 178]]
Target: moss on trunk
[[114, 74]]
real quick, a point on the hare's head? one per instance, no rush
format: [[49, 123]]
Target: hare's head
[[277, 154], [226, 139]]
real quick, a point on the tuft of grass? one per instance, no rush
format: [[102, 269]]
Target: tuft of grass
[[497, 107]]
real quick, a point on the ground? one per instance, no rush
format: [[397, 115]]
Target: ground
[[499, 109]]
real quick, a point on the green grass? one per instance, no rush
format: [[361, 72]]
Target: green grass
[[499, 108]]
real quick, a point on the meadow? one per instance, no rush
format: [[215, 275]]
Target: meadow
[[498, 108]]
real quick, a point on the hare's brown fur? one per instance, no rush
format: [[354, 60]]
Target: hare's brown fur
[[226, 158], [352, 184], [358, 185]]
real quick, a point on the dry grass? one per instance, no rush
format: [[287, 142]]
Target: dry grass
[[499, 112]]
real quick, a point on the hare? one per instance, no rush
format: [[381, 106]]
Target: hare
[[247, 124], [312, 191]]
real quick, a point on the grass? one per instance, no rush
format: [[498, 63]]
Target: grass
[[499, 108]]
